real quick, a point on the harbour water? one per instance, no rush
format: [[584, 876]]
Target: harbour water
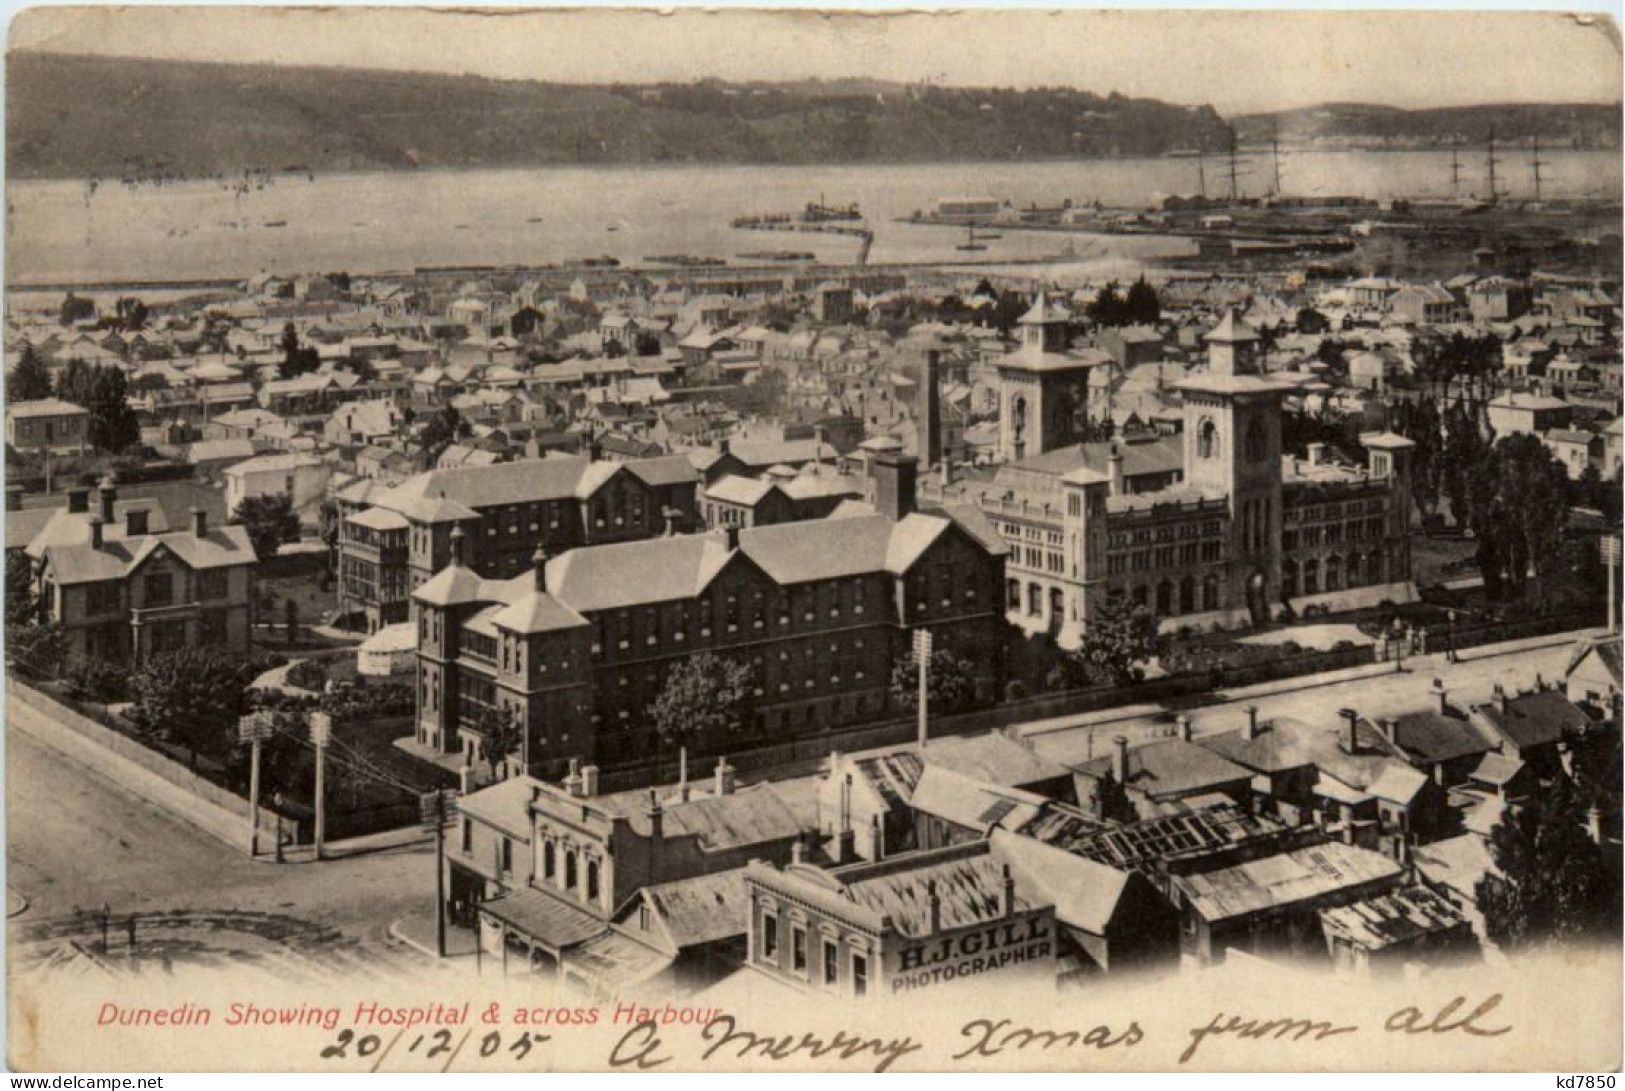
[[63, 232]]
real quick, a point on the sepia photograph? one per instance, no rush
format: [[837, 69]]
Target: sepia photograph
[[778, 540]]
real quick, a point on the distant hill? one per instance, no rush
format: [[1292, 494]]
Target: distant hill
[[1341, 124], [75, 116]]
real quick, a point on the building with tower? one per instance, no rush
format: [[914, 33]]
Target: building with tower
[[1043, 387], [1212, 525]]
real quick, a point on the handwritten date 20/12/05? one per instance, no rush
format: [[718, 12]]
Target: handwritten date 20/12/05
[[642, 1047]]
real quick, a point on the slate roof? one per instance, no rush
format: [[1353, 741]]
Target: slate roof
[[606, 577], [666, 470], [1429, 736], [1288, 878], [993, 758], [223, 547], [1170, 768], [749, 816], [1533, 719]]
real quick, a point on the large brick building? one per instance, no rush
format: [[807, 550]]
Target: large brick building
[[393, 540], [579, 646], [1215, 524]]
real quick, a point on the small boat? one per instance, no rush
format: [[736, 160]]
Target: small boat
[[970, 242], [276, 223], [534, 220]]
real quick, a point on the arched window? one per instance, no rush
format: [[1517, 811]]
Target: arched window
[[1187, 596], [1035, 600], [1257, 444], [1139, 595], [1289, 579], [1207, 439], [1334, 573], [1018, 419], [1311, 577], [1210, 593], [570, 870], [1012, 594], [1352, 570], [549, 864], [592, 880], [1165, 598], [1057, 605]]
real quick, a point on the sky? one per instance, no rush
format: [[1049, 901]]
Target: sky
[[1236, 61]]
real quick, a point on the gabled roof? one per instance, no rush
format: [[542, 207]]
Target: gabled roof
[[1287, 879], [608, 577], [537, 612], [1231, 330], [1171, 768], [703, 909], [223, 547], [1085, 893], [1533, 719]]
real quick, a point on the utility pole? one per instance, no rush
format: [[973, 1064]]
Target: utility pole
[[435, 808], [321, 730], [922, 657], [254, 729], [1610, 559]]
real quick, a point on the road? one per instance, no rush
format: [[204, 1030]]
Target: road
[[76, 840], [1071, 739]]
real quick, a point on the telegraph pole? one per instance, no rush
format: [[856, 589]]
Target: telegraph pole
[[321, 730], [922, 657], [435, 809], [254, 729]]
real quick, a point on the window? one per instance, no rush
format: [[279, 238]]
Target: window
[[770, 938], [569, 871], [158, 589], [860, 975], [467, 831], [798, 948], [1257, 443], [212, 628], [507, 854], [1207, 440], [101, 598], [592, 880], [832, 961], [547, 860]]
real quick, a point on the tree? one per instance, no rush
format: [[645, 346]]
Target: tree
[[1465, 447], [1517, 505], [1311, 321], [269, 520], [1142, 307], [500, 734], [75, 382], [22, 601], [290, 619], [949, 686], [75, 310], [1552, 881], [30, 380], [132, 313], [1109, 307], [439, 432], [36, 650], [113, 425], [193, 696], [704, 697], [1119, 637]]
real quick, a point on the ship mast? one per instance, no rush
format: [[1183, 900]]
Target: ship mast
[[1234, 194], [1455, 172], [1275, 159], [1201, 171], [1495, 194], [1534, 165]]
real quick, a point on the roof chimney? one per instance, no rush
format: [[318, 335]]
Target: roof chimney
[[723, 446], [936, 905], [1317, 452], [1500, 699], [798, 852], [538, 568], [78, 501], [1351, 735], [1184, 723], [1594, 824], [1252, 721], [1114, 468], [724, 779], [1390, 730], [1443, 696], [730, 534], [1120, 760], [1009, 903], [200, 523], [572, 781], [657, 817], [109, 498], [95, 532], [877, 839], [589, 780]]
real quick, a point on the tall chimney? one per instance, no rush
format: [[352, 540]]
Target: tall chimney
[[1114, 464], [78, 501], [1252, 721], [657, 817], [723, 783], [1351, 735], [538, 568], [928, 415], [200, 523], [1184, 723], [109, 498], [845, 839], [95, 532], [1120, 760], [936, 905]]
